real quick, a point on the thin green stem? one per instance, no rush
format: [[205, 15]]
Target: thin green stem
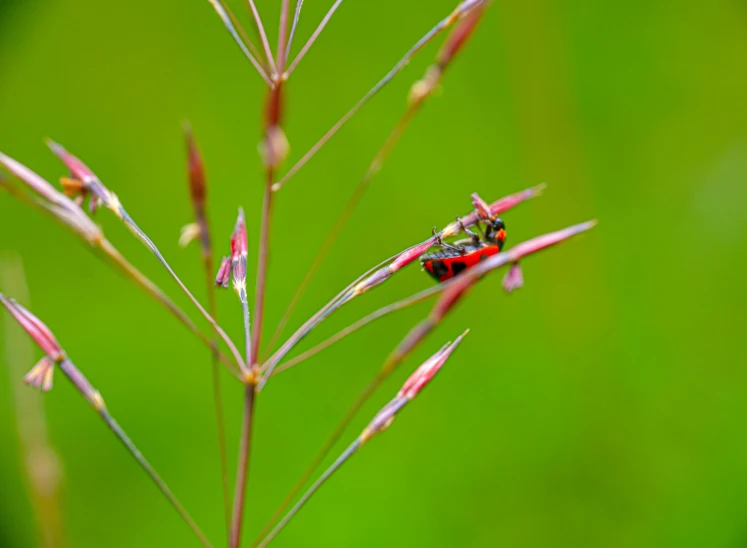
[[242, 474], [380, 313], [319, 457], [137, 231], [313, 38], [261, 290], [218, 400], [94, 398], [313, 489]]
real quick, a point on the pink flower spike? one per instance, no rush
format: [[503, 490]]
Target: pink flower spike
[[512, 200], [34, 181], [415, 252], [423, 374], [35, 329], [41, 375], [546, 240], [514, 279], [224, 273], [78, 169], [238, 256], [238, 238], [482, 207]]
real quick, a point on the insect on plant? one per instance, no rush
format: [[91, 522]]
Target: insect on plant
[[457, 266]]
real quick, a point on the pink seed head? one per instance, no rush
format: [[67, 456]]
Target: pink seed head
[[35, 329], [546, 240], [195, 169], [512, 200], [412, 254], [514, 279], [459, 36], [77, 168], [425, 373], [482, 207], [239, 245], [224, 273]]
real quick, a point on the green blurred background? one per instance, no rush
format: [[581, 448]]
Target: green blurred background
[[601, 405]]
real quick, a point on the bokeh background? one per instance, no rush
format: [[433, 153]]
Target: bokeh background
[[601, 405]]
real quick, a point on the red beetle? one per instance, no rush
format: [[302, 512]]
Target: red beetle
[[444, 265]]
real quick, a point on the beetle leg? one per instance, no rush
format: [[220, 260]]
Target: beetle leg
[[468, 232]]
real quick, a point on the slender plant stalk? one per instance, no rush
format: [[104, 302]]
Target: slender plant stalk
[[381, 421], [241, 39], [340, 299], [259, 301], [218, 329], [342, 220], [352, 448], [38, 456], [218, 403], [154, 291], [296, 17], [94, 398], [380, 313], [314, 36], [283, 35], [198, 193], [329, 443], [253, 339], [242, 475], [259, 27], [248, 41], [442, 25]]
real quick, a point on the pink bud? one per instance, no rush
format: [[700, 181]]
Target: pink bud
[[512, 200], [195, 170], [224, 273], [78, 169], [409, 255], [239, 245], [546, 240], [459, 36], [423, 374], [481, 206], [514, 279], [35, 328]]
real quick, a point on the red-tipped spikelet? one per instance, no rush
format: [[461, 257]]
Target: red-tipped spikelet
[[198, 194], [453, 44], [84, 182], [412, 386], [481, 206], [239, 250], [224, 273], [423, 374], [41, 374]]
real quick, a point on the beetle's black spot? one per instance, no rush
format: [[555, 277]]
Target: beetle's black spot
[[440, 269], [458, 267]]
